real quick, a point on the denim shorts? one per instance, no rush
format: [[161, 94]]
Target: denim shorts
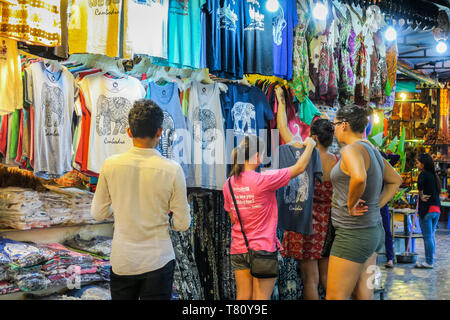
[[358, 245]]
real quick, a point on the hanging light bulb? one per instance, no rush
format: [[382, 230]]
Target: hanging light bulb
[[390, 34], [403, 96], [272, 5], [320, 11], [376, 118], [441, 47]]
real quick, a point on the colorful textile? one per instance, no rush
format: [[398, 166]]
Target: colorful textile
[[300, 79], [306, 247], [36, 22]]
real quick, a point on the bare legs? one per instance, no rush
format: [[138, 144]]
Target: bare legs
[[350, 279], [311, 272], [251, 288]]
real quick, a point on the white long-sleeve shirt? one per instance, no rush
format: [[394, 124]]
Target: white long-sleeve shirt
[[141, 187]]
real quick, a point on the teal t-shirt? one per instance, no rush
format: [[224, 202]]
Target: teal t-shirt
[[184, 47]]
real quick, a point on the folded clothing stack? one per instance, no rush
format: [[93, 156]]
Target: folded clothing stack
[[25, 209], [22, 209], [8, 287], [4, 264], [98, 245], [67, 264], [103, 268], [25, 264]]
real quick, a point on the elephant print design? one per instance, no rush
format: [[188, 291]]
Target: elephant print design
[[206, 134], [243, 114], [112, 110], [168, 136], [52, 102], [297, 190]]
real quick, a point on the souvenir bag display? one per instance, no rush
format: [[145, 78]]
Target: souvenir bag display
[[263, 264]]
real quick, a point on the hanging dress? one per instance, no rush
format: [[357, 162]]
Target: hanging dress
[[300, 79], [346, 62]]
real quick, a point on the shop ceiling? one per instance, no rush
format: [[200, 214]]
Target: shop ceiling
[[416, 41]]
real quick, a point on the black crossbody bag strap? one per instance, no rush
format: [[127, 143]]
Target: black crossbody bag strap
[[237, 211]]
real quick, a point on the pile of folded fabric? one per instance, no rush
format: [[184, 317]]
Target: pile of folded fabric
[[103, 268], [25, 262], [22, 209], [25, 209], [68, 206], [5, 285], [68, 265], [98, 245]]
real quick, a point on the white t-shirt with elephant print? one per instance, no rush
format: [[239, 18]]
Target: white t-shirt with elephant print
[[52, 96], [109, 102]]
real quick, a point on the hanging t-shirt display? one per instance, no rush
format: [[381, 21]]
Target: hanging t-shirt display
[[185, 41], [11, 85], [140, 17], [246, 110], [206, 126], [109, 101], [258, 38], [295, 200], [175, 141], [225, 35], [53, 100], [95, 27], [284, 22]]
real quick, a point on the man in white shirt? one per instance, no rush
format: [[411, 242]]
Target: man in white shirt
[[141, 187]]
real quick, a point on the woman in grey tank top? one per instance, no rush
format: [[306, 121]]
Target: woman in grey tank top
[[358, 194]]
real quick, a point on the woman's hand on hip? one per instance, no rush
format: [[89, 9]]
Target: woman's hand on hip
[[359, 209]]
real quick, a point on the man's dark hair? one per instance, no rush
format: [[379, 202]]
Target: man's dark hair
[[145, 118]]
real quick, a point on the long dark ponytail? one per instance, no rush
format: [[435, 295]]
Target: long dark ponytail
[[428, 165]]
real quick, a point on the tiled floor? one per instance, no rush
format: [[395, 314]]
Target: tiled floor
[[404, 282]]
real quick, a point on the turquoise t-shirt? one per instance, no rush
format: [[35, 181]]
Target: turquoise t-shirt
[[184, 47]]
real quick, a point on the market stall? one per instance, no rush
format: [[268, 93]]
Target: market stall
[[213, 67]]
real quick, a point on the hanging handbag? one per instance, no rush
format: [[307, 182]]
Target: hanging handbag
[[263, 264]]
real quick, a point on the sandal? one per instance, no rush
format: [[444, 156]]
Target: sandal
[[389, 265]]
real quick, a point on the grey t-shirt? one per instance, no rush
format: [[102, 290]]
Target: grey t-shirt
[[295, 201], [374, 185]]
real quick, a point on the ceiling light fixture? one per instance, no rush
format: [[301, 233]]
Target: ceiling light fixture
[[390, 34], [441, 47], [272, 5]]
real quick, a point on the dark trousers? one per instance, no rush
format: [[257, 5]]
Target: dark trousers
[[388, 243], [154, 285]]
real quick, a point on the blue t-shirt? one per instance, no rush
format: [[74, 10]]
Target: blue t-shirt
[[246, 111], [284, 23], [225, 20], [258, 38], [295, 201], [184, 43], [174, 139]]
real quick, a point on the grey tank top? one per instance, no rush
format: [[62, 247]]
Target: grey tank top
[[341, 183]]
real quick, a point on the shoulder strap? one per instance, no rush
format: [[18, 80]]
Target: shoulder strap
[[237, 211]]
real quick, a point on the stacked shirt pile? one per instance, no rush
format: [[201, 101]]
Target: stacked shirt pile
[[5, 285], [22, 209], [25, 264], [99, 245], [25, 209], [68, 265]]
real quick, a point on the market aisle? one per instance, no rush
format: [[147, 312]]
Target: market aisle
[[404, 282]]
